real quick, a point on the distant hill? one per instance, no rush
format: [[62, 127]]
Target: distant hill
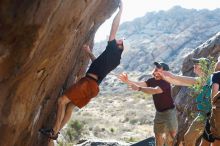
[[164, 36]]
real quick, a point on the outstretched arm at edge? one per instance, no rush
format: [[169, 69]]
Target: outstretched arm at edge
[[182, 80], [178, 80]]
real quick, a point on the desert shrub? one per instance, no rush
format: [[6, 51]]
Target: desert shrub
[[103, 129], [143, 121], [112, 130], [133, 121], [126, 120], [73, 131], [131, 139], [96, 131], [63, 143]]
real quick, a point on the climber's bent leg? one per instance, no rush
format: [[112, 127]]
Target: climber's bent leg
[[53, 133], [67, 116], [62, 104], [79, 95]]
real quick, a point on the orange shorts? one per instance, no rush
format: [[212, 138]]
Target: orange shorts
[[83, 91]]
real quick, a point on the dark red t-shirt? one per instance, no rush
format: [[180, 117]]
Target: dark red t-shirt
[[162, 101]]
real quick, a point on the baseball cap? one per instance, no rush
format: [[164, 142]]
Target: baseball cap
[[162, 65]]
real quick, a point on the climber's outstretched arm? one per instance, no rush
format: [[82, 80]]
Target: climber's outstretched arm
[[115, 23]]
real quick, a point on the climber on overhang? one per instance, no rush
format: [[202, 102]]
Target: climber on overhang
[[86, 88]]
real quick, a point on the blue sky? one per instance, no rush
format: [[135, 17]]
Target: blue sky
[[138, 8]]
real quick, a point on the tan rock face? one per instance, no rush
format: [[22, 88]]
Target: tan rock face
[[40, 56], [184, 102]]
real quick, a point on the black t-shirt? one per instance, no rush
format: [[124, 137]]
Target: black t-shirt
[[107, 61], [216, 78], [162, 101]]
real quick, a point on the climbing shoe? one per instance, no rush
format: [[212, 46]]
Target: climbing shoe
[[49, 133]]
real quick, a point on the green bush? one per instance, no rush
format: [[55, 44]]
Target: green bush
[[134, 121], [131, 139], [62, 143], [112, 130], [74, 131]]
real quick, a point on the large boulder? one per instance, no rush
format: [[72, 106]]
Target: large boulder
[[185, 104], [40, 56]]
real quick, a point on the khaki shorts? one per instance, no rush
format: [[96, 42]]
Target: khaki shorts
[[82, 92], [165, 121]]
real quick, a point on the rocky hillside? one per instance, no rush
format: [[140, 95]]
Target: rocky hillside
[[165, 36]]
